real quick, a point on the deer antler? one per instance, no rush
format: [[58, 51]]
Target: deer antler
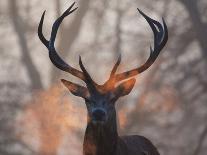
[[54, 57], [160, 39]]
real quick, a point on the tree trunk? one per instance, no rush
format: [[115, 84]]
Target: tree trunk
[[33, 73], [197, 23]]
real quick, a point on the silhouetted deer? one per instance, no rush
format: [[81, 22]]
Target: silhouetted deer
[[101, 137]]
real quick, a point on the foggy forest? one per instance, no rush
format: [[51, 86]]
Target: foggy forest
[[168, 105]]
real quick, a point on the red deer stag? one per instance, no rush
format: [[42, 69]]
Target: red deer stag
[[101, 137]]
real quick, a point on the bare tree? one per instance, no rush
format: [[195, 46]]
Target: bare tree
[[32, 70], [199, 26]]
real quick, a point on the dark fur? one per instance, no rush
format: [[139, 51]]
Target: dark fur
[[104, 140]]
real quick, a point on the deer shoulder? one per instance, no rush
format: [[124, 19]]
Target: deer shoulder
[[138, 145]]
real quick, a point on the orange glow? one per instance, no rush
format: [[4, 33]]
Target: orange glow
[[89, 147], [48, 118], [122, 118]]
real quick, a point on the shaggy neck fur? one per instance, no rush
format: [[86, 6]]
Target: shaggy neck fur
[[100, 139]]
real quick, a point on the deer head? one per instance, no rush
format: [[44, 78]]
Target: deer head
[[100, 99]]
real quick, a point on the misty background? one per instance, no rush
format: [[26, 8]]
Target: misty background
[[38, 115]]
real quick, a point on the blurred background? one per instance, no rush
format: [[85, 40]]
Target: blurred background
[[168, 105]]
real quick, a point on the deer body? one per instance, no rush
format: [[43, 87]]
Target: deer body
[[101, 137], [104, 140]]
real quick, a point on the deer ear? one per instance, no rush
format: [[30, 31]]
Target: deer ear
[[123, 89], [76, 89]]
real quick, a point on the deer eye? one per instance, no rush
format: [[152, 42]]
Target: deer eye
[[111, 101], [87, 100]]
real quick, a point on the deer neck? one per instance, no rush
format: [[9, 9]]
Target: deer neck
[[100, 139]]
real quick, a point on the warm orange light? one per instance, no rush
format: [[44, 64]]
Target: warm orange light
[[48, 118]]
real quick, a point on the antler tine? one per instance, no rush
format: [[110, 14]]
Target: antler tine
[[58, 22], [115, 66], [110, 83], [91, 85], [160, 39], [40, 34], [54, 57]]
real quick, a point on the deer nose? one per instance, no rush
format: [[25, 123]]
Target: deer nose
[[99, 115]]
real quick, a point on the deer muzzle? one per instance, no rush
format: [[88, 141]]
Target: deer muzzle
[[98, 116]]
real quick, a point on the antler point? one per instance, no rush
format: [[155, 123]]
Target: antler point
[[140, 11], [80, 62]]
